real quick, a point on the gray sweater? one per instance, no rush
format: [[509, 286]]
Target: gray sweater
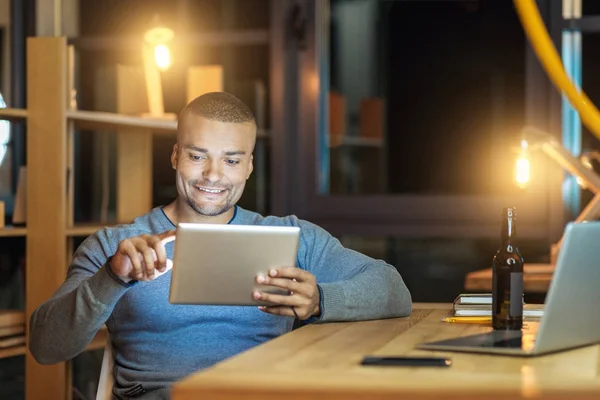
[[157, 343]]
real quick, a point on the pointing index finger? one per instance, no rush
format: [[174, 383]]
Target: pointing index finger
[[290, 272], [168, 237]]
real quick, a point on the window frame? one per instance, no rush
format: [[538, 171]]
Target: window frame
[[297, 118]]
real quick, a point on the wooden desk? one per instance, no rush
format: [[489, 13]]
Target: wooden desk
[[536, 279], [322, 362]]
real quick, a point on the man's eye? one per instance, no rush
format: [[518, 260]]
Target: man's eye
[[232, 162], [196, 158]]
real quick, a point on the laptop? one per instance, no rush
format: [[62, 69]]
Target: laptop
[[217, 264], [570, 317]]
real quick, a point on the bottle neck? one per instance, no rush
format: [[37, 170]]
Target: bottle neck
[[509, 230]]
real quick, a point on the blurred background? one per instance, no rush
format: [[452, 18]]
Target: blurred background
[[395, 125]]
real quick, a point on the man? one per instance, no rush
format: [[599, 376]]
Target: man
[[117, 276]]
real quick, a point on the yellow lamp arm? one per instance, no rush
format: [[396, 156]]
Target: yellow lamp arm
[[550, 60]]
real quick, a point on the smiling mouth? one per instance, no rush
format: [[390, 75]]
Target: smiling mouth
[[211, 191]]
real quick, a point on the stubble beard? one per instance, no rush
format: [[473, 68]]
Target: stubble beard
[[209, 210]]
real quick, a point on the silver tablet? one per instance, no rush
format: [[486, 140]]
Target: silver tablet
[[218, 263]]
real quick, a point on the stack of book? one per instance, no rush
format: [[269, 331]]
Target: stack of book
[[12, 328], [480, 305]]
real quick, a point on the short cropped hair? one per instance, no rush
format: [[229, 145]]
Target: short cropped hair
[[220, 106]]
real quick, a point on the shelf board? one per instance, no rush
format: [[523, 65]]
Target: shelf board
[[9, 321], [98, 342], [241, 37], [12, 330], [13, 351], [104, 120], [10, 317], [354, 141], [13, 231], [83, 229], [77, 230], [13, 113]]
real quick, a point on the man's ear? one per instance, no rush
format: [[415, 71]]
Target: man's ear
[[250, 167], [174, 156]]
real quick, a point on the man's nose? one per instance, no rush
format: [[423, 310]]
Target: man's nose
[[213, 171]]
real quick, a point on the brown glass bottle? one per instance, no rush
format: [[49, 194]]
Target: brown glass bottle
[[507, 282]]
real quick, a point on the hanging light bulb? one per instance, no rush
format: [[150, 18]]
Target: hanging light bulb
[[162, 56], [522, 167], [587, 162], [159, 37]]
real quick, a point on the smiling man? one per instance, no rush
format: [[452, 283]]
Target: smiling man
[[119, 276], [213, 159]]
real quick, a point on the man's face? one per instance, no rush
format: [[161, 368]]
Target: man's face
[[212, 160]]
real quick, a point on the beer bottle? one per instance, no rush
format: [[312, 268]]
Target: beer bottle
[[507, 281]]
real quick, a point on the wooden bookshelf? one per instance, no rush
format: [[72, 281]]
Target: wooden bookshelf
[[12, 324], [83, 230], [13, 113], [97, 343], [237, 37], [104, 120], [13, 231], [46, 199], [50, 202], [12, 351], [98, 120], [72, 231]]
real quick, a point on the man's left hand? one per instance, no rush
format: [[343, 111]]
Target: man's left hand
[[303, 300]]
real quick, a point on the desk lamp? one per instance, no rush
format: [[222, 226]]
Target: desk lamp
[[580, 168]]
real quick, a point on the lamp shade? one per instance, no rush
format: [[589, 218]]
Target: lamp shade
[[158, 32]]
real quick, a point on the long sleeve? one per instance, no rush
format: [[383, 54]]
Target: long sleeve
[[61, 327], [352, 285]]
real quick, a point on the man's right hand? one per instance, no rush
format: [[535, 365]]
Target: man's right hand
[[140, 257]]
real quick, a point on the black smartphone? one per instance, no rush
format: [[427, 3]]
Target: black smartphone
[[407, 361]]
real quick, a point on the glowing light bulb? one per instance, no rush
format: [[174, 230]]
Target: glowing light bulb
[[162, 56], [523, 168]]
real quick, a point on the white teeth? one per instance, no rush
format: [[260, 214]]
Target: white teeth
[[211, 190]]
